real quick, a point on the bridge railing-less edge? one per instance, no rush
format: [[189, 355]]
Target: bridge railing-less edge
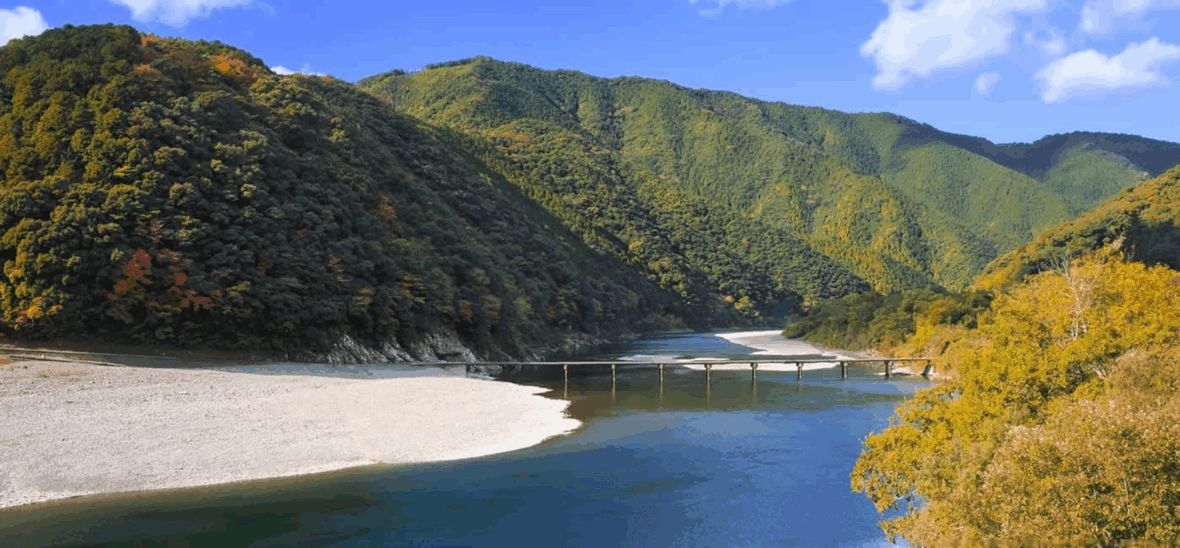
[[887, 363]]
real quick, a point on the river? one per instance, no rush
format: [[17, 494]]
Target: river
[[682, 463]]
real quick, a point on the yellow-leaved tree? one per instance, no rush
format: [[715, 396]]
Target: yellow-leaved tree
[[1057, 422]]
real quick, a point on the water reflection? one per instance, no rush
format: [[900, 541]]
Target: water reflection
[[645, 389]]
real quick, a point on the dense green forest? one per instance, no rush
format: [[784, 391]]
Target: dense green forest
[[764, 201], [1143, 220], [172, 192], [885, 321]]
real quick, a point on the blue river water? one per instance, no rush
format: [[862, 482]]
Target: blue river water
[[732, 463]]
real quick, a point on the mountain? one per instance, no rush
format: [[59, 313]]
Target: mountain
[[179, 193], [171, 192], [1144, 221], [764, 200]]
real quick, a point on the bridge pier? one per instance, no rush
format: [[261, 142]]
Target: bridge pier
[[843, 370], [612, 383], [798, 371], [888, 369], [660, 366], [754, 372]]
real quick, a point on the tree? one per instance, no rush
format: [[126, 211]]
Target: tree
[[1050, 365]]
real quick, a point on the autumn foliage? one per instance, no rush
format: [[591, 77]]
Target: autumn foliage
[[1056, 422]]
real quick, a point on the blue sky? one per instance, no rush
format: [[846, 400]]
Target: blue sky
[[1008, 70]]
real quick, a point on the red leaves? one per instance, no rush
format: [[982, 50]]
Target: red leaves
[[137, 274], [191, 300], [139, 268]]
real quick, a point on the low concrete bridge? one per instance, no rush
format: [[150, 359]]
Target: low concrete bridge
[[886, 363]]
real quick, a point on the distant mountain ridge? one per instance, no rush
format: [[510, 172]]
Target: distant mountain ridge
[[884, 199], [1039, 157]]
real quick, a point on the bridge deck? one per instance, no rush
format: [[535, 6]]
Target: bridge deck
[[708, 363], [842, 363], [677, 362]]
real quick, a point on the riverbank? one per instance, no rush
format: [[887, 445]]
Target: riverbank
[[770, 344], [74, 429]]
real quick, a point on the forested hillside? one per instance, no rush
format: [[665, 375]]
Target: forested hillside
[[172, 192], [1144, 221], [801, 200], [1054, 417]]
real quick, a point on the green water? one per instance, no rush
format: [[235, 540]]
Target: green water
[[678, 463]]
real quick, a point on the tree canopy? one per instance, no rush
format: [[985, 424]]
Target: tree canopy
[[1143, 220], [1055, 418], [1056, 422], [173, 192], [762, 202]]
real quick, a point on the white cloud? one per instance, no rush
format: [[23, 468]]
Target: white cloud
[[284, 71], [1102, 16], [1089, 74], [19, 22], [985, 82], [1050, 42], [719, 6], [921, 37], [176, 13]]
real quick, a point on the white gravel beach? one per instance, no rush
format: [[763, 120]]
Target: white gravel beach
[[72, 429]]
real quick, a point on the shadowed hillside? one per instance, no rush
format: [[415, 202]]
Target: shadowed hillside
[[173, 192]]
